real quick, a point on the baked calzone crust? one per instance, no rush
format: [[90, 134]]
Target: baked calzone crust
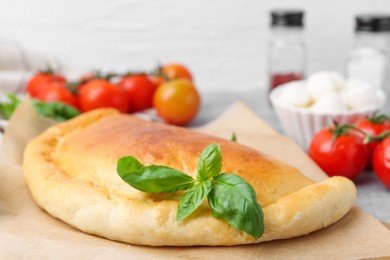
[[70, 170]]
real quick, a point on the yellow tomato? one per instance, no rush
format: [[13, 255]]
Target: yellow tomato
[[177, 101]]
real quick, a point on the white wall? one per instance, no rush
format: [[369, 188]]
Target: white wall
[[223, 42]]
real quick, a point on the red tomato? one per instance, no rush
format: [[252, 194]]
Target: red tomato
[[346, 155], [374, 126], [381, 162], [177, 101], [140, 90], [99, 93], [157, 80], [57, 91], [176, 71], [40, 81], [84, 79]]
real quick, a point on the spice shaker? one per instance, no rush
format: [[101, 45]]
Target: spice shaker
[[367, 60], [286, 54]]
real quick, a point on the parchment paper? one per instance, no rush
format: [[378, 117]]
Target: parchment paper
[[26, 231], [24, 124]]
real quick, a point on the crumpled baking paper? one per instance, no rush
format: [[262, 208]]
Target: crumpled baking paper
[[26, 231]]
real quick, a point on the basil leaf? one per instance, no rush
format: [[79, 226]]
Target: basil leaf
[[230, 197], [192, 199], [234, 200], [153, 178], [57, 110], [7, 108], [210, 162], [233, 138]]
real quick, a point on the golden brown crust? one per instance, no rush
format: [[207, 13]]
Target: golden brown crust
[[71, 172]]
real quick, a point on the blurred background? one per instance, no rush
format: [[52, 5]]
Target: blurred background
[[224, 43]]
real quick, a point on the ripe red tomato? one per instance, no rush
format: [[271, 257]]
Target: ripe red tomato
[[177, 101], [375, 125], [381, 162], [176, 71], [157, 80], [84, 79], [344, 155], [140, 90], [57, 91], [40, 80], [99, 93]]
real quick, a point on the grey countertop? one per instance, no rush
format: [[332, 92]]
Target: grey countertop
[[372, 196]]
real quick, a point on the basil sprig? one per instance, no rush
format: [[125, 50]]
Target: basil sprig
[[152, 178], [230, 197], [233, 138], [56, 110], [8, 107]]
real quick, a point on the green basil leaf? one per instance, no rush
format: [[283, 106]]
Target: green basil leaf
[[153, 178], [192, 199], [210, 162], [57, 110], [7, 108], [234, 200], [233, 138]]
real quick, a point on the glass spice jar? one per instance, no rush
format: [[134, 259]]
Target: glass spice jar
[[286, 53], [367, 59]]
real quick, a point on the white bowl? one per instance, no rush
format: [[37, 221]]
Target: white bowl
[[301, 124]]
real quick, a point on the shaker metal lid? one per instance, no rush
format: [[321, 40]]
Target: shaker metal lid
[[372, 23], [287, 17]]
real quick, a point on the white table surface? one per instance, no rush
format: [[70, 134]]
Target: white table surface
[[372, 196]]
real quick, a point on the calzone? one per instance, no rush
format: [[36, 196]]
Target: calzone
[[70, 170]]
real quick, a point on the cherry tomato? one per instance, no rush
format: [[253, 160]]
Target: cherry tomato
[[176, 71], [99, 93], [140, 90], [345, 154], [177, 101], [157, 80], [375, 125], [57, 91], [40, 81], [381, 162], [84, 79]]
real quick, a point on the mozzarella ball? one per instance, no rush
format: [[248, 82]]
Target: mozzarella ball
[[357, 84], [361, 95], [323, 83], [295, 94], [330, 103]]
